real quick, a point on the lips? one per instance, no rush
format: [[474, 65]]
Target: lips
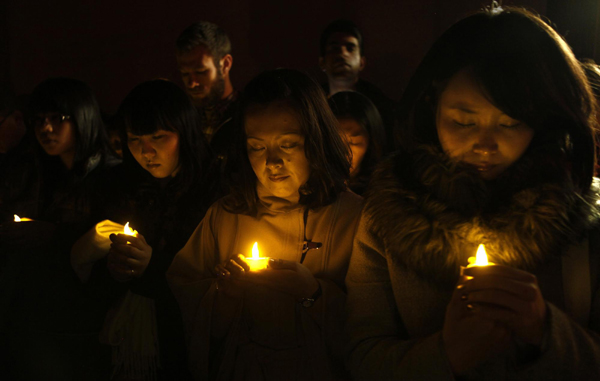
[[277, 179], [152, 165], [483, 167]]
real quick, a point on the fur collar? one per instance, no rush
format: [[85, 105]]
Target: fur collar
[[432, 213]]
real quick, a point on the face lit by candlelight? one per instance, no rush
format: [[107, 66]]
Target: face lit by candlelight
[[358, 140], [475, 132], [157, 153], [275, 145], [56, 134], [204, 81]]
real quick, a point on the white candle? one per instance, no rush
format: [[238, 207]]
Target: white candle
[[256, 262]]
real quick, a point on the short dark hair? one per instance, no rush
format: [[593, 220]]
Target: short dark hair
[[356, 106], [73, 97], [160, 104], [326, 151], [527, 70], [341, 26], [204, 33]]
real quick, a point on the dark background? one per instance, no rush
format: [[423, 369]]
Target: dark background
[[114, 45]]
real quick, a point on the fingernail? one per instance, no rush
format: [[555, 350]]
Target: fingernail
[[470, 307], [460, 286], [464, 297]]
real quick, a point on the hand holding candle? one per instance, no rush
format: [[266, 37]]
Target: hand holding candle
[[130, 254], [505, 295]]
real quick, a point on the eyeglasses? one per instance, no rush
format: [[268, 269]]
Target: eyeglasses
[[53, 119]]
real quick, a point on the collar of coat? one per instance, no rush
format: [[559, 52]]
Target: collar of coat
[[431, 213]]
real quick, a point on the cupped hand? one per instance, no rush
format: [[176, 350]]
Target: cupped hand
[[469, 338], [128, 256], [231, 275], [509, 296]]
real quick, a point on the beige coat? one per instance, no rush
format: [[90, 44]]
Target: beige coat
[[272, 335]]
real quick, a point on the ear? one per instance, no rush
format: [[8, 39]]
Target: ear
[[226, 63], [363, 62], [322, 63]]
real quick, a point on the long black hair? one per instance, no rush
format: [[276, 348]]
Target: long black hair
[[354, 105], [528, 72], [74, 98], [325, 149]]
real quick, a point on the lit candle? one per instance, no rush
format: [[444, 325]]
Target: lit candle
[[480, 260], [129, 231], [256, 262], [23, 219]]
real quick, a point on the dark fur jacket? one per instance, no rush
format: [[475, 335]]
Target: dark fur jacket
[[432, 213]]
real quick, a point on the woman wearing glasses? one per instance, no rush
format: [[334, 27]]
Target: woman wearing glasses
[[61, 187]]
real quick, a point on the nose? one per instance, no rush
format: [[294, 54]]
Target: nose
[[486, 143], [274, 159], [46, 126], [147, 150], [193, 81]]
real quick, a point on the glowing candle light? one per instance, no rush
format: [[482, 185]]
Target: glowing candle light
[[22, 219], [129, 231], [480, 258], [256, 262]]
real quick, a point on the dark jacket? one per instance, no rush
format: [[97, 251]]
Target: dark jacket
[[424, 216]]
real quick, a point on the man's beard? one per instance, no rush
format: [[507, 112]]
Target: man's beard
[[215, 95]]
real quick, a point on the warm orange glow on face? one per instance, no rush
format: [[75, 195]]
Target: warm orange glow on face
[[256, 262], [21, 219], [129, 231]]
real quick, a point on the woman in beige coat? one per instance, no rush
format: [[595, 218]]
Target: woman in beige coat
[[282, 322]]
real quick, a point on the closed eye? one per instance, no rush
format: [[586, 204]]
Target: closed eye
[[464, 124], [517, 124]]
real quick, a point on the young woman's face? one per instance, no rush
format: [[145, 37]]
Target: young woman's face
[[275, 145], [475, 132], [358, 140], [157, 153], [55, 133]]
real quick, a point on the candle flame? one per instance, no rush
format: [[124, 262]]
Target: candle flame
[[17, 218], [481, 258], [127, 230], [20, 219], [255, 254]]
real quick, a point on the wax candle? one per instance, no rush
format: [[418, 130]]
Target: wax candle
[[129, 231], [480, 259], [256, 262]]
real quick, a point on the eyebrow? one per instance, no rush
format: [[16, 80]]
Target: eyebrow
[[284, 134], [462, 106]]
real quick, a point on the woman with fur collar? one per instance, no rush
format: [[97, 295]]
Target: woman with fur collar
[[499, 150]]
